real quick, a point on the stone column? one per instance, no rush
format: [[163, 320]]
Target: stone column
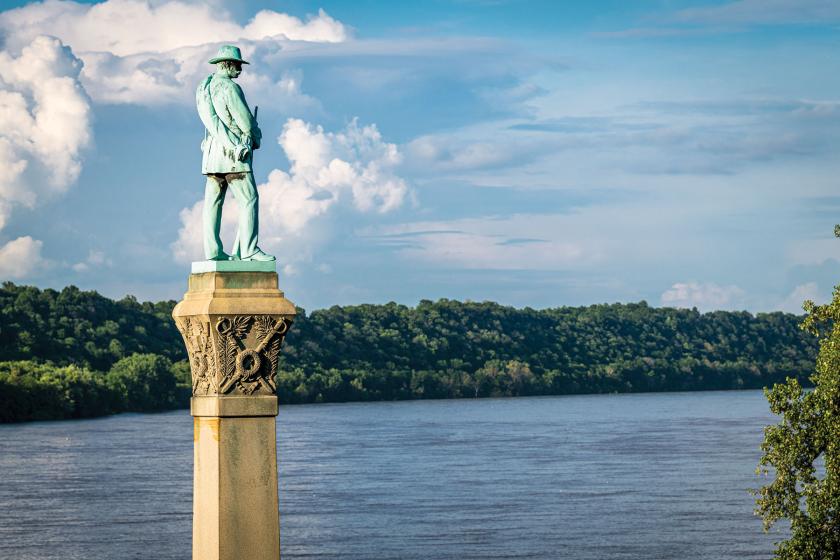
[[233, 319]]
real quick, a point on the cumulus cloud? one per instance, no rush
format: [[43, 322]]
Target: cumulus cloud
[[354, 167], [188, 246], [20, 257], [128, 27], [793, 302], [136, 51], [45, 118], [706, 296], [44, 129], [327, 167]]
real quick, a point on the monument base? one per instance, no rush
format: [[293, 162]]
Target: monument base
[[235, 505], [200, 267], [233, 324]]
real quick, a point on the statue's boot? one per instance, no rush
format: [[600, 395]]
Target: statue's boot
[[222, 256], [259, 256]]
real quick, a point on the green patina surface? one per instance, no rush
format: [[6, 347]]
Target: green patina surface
[[233, 266], [230, 138]]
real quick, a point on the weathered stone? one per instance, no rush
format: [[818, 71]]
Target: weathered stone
[[233, 324], [233, 406], [235, 503]]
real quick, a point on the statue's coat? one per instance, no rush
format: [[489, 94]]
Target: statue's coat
[[230, 126]]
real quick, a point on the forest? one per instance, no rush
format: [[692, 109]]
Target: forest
[[74, 353]]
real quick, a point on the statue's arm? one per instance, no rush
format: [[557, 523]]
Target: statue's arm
[[241, 114]]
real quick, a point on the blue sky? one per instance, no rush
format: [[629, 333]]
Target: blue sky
[[534, 153]]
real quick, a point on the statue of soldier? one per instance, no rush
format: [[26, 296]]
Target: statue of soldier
[[230, 138]]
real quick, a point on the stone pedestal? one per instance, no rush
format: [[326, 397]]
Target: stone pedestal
[[233, 324]]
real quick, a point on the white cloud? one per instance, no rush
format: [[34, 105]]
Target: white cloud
[[95, 259], [129, 27], [354, 167], [170, 77], [284, 93], [445, 153], [44, 123], [705, 296], [188, 246], [327, 166], [321, 28], [20, 257], [793, 302], [148, 79], [136, 51]]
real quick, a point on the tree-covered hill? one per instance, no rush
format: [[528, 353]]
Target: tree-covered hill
[[454, 349], [82, 328], [435, 350]]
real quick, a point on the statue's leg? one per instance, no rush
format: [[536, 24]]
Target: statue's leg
[[236, 253], [245, 190], [214, 196]]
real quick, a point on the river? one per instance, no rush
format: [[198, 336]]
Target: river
[[644, 476]]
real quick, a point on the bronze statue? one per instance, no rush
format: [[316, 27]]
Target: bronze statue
[[230, 138]]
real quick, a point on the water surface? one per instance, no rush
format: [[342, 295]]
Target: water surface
[[648, 476]]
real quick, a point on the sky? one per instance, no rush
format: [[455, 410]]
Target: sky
[[534, 153]]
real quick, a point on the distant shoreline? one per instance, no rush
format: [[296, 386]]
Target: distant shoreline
[[75, 354], [283, 405]]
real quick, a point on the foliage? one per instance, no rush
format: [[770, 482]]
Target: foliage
[[44, 391], [144, 382], [33, 391], [181, 371], [443, 349], [448, 349], [82, 328], [803, 450]]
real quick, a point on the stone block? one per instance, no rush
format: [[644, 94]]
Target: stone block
[[233, 325]]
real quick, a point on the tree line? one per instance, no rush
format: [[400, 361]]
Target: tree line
[[74, 353]]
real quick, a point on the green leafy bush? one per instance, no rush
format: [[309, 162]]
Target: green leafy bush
[[802, 452], [43, 391], [33, 391], [144, 382]]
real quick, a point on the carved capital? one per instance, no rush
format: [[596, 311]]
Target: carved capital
[[233, 328], [233, 354]]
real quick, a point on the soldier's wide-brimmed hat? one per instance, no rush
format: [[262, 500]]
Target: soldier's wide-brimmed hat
[[228, 52]]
